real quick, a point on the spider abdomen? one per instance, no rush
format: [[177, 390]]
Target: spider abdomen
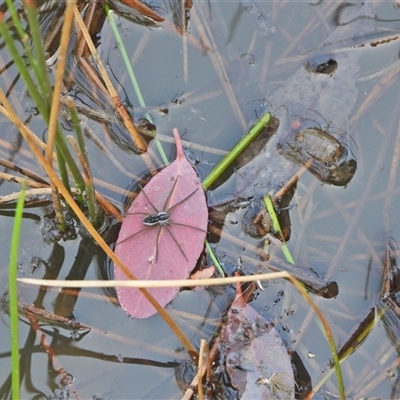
[[153, 219]]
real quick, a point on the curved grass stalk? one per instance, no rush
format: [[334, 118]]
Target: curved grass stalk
[[13, 293], [357, 339], [328, 334], [207, 282], [277, 228], [54, 126]]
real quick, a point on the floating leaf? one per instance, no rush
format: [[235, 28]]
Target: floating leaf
[[256, 360], [163, 233]]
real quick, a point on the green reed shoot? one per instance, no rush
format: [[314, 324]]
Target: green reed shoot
[[223, 165], [13, 293], [277, 227]]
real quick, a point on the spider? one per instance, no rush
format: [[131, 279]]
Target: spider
[[278, 384], [161, 219]]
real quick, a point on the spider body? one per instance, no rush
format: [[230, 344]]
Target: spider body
[[160, 218]]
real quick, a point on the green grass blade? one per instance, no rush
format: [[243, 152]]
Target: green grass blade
[[13, 291], [132, 76], [358, 339], [15, 19], [328, 336], [96, 217], [78, 130], [41, 98], [40, 58], [214, 259], [276, 227], [125, 57], [222, 166], [23, 36], [23, 70], [62, 169], [335, 359], [62, 146]]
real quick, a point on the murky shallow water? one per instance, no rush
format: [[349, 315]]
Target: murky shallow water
[[340, 233]]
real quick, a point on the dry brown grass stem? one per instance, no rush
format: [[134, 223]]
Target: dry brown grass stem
[[17, 179], [33, 137], [156, 283], [120, 109], [59, 75]]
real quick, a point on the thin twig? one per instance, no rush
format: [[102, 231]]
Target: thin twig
[[154, 283], [23, 171], [18, 179]]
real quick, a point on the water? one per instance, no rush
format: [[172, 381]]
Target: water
[[338, 232]]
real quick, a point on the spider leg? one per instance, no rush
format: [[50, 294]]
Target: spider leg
[[170, 193], [179, 246], [184, 199], [167, 199], [137, 213], [131, 236], [187, 226], [157, 239], [149, 201]]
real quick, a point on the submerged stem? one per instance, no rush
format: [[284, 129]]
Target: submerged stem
[[222, 166]]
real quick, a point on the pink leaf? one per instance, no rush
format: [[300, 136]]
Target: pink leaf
[[174, 203]]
